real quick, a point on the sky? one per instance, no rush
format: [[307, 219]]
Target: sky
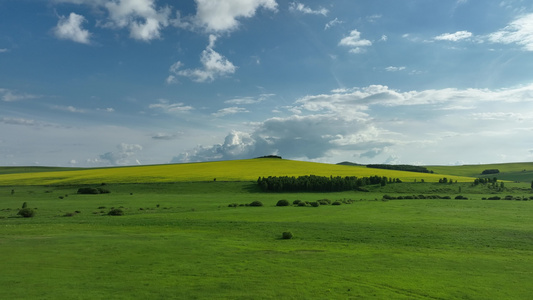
[[91, 83]]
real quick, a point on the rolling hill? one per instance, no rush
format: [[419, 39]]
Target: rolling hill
[[235, 170]]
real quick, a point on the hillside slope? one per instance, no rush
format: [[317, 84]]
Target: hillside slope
[[509, 171], [236, 170]]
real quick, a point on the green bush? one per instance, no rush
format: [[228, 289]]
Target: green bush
[[26, 212], [336, 203], [287, 235], [324, 202], [256, 203], [315, 204], [25, 204], [296, 202], [93, 191], [116, 212], [282, 202], [302, 203], [233, 205]]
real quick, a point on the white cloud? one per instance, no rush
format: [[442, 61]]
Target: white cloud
[[375, 123], [230, 111], [219, 16], [168, 107], [18, 121], [519, 32], [299, 7], [355, 42], [384, 38], [249, 100], [124, 155], [8, 95], [69, 108], [3, 50], [454, 37], [394, 69], [71, 29], [213, 65], [332, 23], [143, 18]]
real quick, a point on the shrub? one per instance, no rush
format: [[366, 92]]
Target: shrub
[[287, 235], [324, 202], [26, 212], [296, 202], [461, 198], [509, 197], [93, 191], [301, 203], [233, 205], [315, 204], [256, 203], [282, 202], [116, 212], [336, 203], [25, 204], [69, 214]]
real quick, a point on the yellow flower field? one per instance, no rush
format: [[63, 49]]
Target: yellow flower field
[[236, 170]]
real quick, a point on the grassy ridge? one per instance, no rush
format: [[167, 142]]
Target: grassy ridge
[[509, 171], [236, 170]]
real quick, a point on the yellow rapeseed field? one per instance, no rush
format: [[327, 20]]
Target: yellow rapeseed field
[[236, 170]]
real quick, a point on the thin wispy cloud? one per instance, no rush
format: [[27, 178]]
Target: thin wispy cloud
[[454, 37], [301, 8]]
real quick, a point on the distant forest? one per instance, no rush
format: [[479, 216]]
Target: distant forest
[[312, 183], [409, 168]]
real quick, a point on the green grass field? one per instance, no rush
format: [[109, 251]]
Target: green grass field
[[181, 241]]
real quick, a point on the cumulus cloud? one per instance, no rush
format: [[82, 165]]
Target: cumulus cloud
[[519, 31], [71, 29], [125, 155], [454, 37], [301, 8], [355, 42], [221, 16], [346, 122], [214, 65], [166, 136], [3, 50], [143, 18]]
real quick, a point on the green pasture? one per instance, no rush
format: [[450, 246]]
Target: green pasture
[[522, 172], [182, 241]]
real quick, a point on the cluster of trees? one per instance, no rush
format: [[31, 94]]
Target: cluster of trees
[[446, 180], [409, 168], [485, 180], [490, 171], [313, 183]]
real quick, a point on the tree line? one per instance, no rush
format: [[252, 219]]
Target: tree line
[[313, 183], [409, 168]]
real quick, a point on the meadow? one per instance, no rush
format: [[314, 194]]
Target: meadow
[[181, 240]]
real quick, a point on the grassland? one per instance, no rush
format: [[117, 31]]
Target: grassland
[[522, 172], [180, 240]]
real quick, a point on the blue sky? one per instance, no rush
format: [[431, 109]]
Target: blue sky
[[122, 82]]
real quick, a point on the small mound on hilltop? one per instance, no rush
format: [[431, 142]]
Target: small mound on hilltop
[[270, 156]]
